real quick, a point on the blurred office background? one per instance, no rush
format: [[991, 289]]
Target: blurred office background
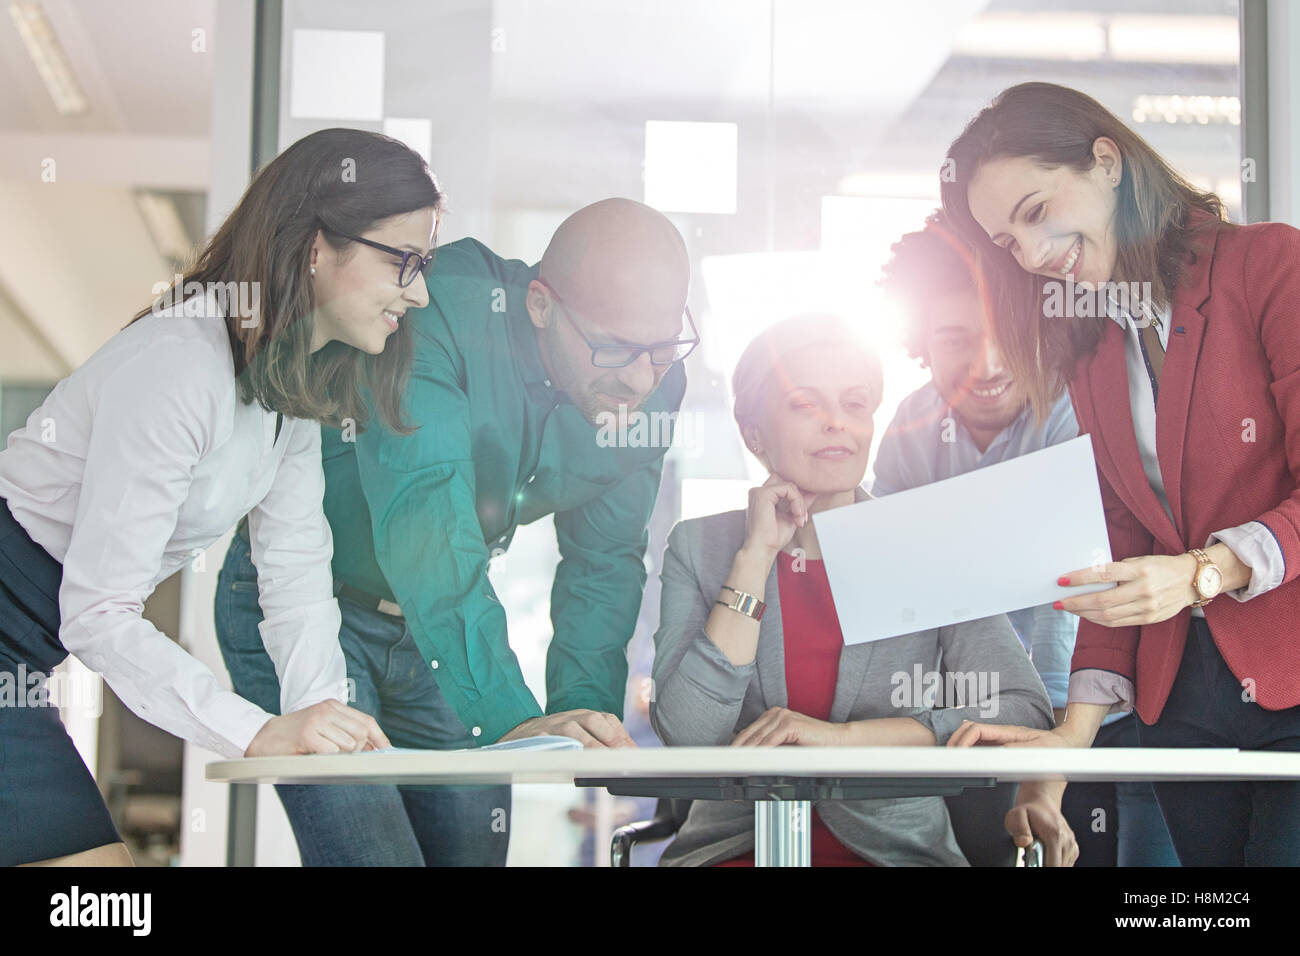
[[791, 141]]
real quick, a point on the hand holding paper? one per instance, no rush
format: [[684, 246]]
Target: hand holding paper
[[1150, 588], [985, 542]]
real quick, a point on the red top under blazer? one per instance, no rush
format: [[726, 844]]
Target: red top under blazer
[[1232, 361]]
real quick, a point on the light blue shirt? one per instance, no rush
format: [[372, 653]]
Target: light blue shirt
[[927, 442]]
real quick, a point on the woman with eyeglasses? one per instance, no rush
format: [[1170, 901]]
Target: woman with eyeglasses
[[1178, 337], [509, 398], [205, 408]]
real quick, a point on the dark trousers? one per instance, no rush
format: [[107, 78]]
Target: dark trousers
[[1117, 823], [1237, 823]]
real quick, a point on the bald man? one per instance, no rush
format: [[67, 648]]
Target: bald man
[[518, 373]]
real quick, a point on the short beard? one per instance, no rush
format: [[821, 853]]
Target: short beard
[[564, 378], [591, 408]]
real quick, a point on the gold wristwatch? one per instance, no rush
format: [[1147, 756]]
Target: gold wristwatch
[[1208, 581], [746, 604]]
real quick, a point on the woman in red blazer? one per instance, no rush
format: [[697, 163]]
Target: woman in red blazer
[[1178, 337]]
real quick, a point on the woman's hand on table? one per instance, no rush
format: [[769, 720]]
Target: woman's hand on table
[[328, 727], [780, 725], [972, 733]]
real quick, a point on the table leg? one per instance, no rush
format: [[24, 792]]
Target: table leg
[[782, 833], [241, 835], [602, 829]]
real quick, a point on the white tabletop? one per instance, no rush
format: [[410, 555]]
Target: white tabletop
[[667, 763]]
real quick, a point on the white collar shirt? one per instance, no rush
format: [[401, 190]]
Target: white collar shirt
[[132, 467]]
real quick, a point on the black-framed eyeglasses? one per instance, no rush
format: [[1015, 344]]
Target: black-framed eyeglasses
[[412, 262], [620, 356]]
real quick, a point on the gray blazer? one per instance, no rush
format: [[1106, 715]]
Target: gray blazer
[[702, 699]]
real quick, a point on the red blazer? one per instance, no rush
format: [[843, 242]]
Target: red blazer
[[1233, 360]]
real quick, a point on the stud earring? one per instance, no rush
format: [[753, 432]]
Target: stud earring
[[313, 270]]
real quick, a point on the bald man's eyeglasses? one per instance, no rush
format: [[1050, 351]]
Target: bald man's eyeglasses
[[620, 356]]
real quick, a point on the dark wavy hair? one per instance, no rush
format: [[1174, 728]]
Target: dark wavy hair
[[341, 182], [1057, 126], [924, 266]]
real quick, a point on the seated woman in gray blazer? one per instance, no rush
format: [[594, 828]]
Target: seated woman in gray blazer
[[806, 390]]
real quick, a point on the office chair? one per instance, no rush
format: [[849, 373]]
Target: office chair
[[668, 819], [976, 816]]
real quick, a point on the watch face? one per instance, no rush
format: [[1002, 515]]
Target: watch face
[[1209, 581]]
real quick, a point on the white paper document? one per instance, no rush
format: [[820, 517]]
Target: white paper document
[[550, 742], [986, 542]]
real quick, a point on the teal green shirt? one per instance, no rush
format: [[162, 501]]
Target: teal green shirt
[[416, 517]]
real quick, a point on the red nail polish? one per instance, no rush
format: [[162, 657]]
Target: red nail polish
[[1062, 580], [1057, 605]]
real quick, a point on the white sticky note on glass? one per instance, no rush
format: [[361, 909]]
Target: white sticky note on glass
[[337, 75], [415, 133], [986, 542], [690, 166]]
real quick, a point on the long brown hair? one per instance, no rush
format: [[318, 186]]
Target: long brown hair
[[342, 182], [1057, 126]]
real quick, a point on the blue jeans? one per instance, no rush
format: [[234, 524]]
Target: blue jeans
[[1236, 823], [1117, 824], [368, 824]]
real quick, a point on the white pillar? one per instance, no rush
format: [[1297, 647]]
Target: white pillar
[[204, 804], [1283, 107]]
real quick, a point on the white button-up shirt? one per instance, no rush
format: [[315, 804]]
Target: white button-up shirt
[[133, 466]]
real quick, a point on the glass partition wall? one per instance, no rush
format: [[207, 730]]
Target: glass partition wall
[[791, 141]]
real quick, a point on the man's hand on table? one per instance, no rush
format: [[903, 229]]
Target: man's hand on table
[[1037, 811], [590, 727]]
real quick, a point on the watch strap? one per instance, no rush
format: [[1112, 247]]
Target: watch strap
[[746, 603], [1203, 560]]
